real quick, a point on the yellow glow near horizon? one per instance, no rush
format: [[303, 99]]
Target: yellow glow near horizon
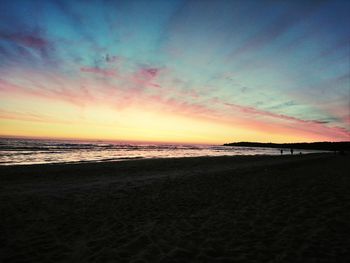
[[135, 125], [61, 119]]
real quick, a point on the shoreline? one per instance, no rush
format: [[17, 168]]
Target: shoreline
[[131, 159], [53, 152], [192, 209]]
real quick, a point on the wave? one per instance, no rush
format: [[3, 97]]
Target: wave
[[22, 151]]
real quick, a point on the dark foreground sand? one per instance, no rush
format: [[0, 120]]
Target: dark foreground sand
[[219, 209]]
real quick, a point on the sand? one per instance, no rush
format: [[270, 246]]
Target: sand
[[210, 209]]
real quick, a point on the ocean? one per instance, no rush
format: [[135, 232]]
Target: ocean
[[40, 151]]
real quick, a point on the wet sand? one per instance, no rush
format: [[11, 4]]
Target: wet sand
[[207, 209]]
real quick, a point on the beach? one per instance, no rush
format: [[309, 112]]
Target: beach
[[200, 209]]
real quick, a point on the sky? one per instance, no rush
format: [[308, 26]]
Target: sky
[[176, 71]]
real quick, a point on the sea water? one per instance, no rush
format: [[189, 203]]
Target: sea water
[[39, 151]]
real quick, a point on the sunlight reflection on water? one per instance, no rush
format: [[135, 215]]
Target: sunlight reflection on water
[[30, 151]]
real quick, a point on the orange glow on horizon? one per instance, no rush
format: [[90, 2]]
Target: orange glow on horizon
[[149, 119], [146, 126]]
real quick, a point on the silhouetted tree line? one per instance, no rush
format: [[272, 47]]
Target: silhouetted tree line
[[325, 146]]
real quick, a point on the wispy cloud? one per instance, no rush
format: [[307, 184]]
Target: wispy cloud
[[32, 41], [99, 71], [278, 68]]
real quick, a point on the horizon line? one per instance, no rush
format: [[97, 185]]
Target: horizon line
[[143, 142]]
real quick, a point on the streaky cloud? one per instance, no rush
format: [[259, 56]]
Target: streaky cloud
[[100, 71]]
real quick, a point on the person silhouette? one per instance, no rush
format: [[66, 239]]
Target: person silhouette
[[291, 151], [281, 151]]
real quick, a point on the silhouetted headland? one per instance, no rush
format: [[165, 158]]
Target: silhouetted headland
[[322, 146]]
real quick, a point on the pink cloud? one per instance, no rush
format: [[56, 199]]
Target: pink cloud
[[26, 40], [143, 77], [78, 97], [34, 41], [149, 72], [314, 126], [96, 70], [6, 87], [255, 111]]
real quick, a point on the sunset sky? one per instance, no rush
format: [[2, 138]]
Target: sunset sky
[[176, 71]]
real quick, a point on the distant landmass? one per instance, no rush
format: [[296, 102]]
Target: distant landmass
[[325, 146]]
